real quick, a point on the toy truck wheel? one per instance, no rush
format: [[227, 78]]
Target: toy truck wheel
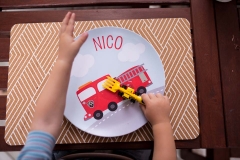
[[120, 94], [123, 86], [132, 100], [98, 114], [112, 106], [141, 90]]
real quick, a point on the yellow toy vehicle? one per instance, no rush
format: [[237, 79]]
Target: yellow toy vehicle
[[126, 92]]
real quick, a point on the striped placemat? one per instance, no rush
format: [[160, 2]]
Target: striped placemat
[[33, 50]]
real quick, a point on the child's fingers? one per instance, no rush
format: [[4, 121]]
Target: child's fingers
[[70, 26], [159, 95], [166, 97], [151, 95], [145, 98], [65, 22], [81, 39]]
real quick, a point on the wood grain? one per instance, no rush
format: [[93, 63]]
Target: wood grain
[[126, 145], [95, 146], [4, 49], [230, 64], [207, 75], [8, 19], [235, 152], [187, 154], [133, 145], [3, 100], [218, 154], [3, 77], [9, 4], [3, 145], [195, 143]]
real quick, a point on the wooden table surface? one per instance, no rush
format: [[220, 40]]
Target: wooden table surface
[[217, 96], [227, 20]]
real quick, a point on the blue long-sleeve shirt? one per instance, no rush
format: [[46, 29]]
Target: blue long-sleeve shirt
[[39, 146]]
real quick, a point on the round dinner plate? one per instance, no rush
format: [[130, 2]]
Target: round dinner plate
[[125, 56]]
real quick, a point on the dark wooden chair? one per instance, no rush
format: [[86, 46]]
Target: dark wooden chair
[[103, 156]]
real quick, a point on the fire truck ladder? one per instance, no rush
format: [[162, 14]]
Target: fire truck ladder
[[131, 74]]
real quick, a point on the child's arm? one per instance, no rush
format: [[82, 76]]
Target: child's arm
[[157, 109], [50, 106]]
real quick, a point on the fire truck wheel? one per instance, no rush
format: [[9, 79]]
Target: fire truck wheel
[[141, 90], [98, 114], [112, 106]]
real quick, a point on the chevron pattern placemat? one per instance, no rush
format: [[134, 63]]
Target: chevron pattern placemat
[[33, 50]]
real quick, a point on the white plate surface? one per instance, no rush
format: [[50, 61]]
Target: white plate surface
[[111, 50]]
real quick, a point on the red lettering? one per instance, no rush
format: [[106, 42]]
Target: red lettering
[[121, 40], [99, 43], [108, 41], [103, 42]]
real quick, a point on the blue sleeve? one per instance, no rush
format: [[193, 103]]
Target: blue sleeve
[[39, 146]]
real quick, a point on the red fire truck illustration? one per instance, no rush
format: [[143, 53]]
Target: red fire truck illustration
[[95, 99]]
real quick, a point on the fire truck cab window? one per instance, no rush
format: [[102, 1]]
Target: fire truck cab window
[[100, 85], [86, 93]]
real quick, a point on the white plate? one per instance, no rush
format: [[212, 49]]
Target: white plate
[[111, 51]]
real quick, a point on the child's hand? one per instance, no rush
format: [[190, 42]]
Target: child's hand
[[68, 47], [157, 108]]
